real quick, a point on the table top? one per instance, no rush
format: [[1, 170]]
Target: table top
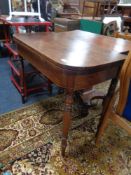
[[75, 49]]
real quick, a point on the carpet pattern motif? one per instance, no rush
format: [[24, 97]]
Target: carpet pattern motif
[[28, 128], [30, 143]]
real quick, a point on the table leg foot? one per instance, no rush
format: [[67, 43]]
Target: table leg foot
[[63, 146]]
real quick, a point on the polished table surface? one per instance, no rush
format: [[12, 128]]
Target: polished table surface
[[74, 60]]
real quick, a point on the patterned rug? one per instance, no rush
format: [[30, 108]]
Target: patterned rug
[[30, 141]]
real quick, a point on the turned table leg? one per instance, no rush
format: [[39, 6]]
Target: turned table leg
[[66, 121]]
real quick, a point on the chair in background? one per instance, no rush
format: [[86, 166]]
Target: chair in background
[[98, 7], [108, 7], [107, 19], [113, 26], [121, 114], [90, 5], [110, 28]]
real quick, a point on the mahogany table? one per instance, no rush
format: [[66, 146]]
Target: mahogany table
[[74, 60]]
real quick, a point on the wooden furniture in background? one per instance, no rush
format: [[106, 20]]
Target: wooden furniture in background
[[107, 6], [125, 9], [74, 3], [24, 76], [123, 109], [126, 13], [4, 32], [98, 7], [90, 6], [25, 21], [71, 9], [74, 60], [64, 24]]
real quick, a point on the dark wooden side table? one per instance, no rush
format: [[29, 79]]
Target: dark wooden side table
[[74, 60]]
